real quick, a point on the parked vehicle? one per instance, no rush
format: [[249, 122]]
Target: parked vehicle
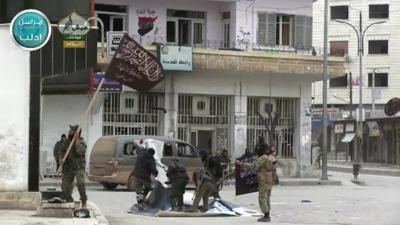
[[113, 158]]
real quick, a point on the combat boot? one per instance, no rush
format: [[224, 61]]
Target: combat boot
[[265, 218], [84, 204]]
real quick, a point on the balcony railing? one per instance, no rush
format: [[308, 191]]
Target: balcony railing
[[238, 45]]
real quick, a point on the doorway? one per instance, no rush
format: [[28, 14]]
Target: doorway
[[203, 139]]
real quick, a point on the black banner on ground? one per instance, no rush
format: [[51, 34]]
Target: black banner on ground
[[246, 179], [134, 66]]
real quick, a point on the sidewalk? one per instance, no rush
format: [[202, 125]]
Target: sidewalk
[[366, 168], [27, 217], [47, 181]]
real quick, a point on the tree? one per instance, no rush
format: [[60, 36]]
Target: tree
[[270, 122]]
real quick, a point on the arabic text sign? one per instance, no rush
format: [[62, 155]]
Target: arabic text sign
[[113, 40], [74, 28], [246, 179], [30, 29], [134, 66], [176, 58]]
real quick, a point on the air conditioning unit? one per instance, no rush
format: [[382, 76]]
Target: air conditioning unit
[[201, 105], [265, 105], [129, 103], [347, 58]]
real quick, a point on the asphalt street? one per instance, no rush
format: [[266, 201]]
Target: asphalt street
[[377, 203]]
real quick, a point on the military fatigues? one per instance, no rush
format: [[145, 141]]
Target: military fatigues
[[74, 166], [56, 150], [264, 166], [179, 179], [208, 182]]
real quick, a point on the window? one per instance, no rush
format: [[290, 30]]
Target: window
[[283, 30], [168, 150], [381, 79], [129, 103], [114, 17], [130, 149], [185, 150], [185, 28], [379, 11], [378, 47], [340, 12], [171, 31], [339, 48], [201, 105], [339, 81]]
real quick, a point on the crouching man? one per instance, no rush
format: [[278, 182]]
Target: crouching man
[[178, 179], [144, 173]]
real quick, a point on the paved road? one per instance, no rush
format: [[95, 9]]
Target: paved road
[[378, 203]]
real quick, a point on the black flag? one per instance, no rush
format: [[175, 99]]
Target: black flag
[[246, 179], [134, 66]]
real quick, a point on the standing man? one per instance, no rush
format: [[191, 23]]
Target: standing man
[[57, 148], [264, 166], [179, 179], [143, 175], [73, 166]]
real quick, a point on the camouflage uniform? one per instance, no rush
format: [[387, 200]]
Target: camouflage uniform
[[74, 166], [264, 166]]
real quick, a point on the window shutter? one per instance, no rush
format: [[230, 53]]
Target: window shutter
[[262, 28], [308, 32], [271, 29], [299, 34]]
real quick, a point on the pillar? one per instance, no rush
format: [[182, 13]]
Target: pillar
[[171, 105], [303, 153], [14, 114], [239, 140]]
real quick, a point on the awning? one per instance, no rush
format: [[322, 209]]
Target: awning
[[348, 137]]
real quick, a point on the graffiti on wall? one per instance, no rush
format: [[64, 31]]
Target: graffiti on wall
[[146, 20], [242, 39], [306, 134]]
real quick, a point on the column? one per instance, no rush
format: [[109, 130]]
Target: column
[[14, 114], [171, 105], [239, 140], [303, 143]]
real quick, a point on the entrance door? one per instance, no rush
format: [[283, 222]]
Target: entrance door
[[205, 140]]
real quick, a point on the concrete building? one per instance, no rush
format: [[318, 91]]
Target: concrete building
[[380, 52], [248, 57], [381, 43]]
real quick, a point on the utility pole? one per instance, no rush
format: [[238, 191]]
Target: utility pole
[[360, 37], [351, 95], [324, 175], [373, 94]]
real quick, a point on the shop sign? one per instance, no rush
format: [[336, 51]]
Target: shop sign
[[177, 58], [74, 29]]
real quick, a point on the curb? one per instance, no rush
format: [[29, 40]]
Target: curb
[[369, 171], [88, 184], [300, 182], [97, 214]]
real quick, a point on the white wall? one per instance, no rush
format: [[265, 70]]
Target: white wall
[[214, 14], [14, 114], [389, 63], [59, 111], [246, 12]]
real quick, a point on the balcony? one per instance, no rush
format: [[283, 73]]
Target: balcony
[[250, 58]]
